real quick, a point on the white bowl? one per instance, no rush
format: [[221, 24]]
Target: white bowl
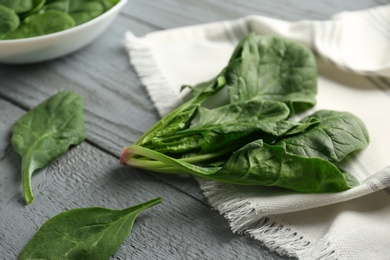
[[57, 44]]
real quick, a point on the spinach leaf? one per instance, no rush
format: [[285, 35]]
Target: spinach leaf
[[270, 67], [46, 132], [9, 20], [40, 24], [337, 135], [23, 6], [84, 233], [244, 116], [260, 164], [80, 11]]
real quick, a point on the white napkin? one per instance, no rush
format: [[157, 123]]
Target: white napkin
[[353, 51]]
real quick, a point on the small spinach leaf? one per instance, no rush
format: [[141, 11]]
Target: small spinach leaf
[[85, 233], [23, 6], [9, 20], [46, 132], [80, 11]]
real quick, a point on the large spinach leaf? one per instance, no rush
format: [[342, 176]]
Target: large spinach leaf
[[260, 164], [272, 68], [85, 233], [337, 135], [46, 132]]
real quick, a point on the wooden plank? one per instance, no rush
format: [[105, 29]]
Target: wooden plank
[[173, 13], [179, 228]]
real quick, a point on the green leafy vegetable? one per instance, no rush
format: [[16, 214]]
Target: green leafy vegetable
[[85, 233], [41, 17], [20, 6], [9, 20], [46, 132], [272, 68], [252, 140], [337, 135], [80, 11], [40, 24]]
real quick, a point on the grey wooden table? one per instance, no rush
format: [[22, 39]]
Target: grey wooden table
[[118, 110]]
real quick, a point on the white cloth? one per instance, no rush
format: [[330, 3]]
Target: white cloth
[[353, 53]]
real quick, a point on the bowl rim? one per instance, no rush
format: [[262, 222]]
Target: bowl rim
[[113, 9]]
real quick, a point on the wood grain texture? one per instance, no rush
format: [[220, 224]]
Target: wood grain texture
[[118, 110], [170, 13]]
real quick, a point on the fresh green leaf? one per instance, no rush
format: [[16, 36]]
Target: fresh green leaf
[[9, 20], [23, 6], [272, 68], [270, 165], [337, 135], [247, 116], [84, 233], [46, 132], [19, 6], [42, 23], [80, 10]]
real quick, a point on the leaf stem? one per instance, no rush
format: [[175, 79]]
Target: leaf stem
[[155, 166], [26, 182], [183, 164]]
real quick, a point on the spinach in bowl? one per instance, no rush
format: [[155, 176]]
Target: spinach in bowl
[[31, 18]]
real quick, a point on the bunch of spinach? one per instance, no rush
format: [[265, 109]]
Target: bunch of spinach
[[84, 233], [252, 140], [46, 132], [31, 18]]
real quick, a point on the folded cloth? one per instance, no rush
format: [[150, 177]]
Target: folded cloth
[[353, 54]]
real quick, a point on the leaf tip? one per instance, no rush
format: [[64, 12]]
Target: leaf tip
[[28, 199]]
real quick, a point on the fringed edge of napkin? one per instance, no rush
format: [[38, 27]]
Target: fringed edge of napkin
[[143, 61], [273, 233]]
